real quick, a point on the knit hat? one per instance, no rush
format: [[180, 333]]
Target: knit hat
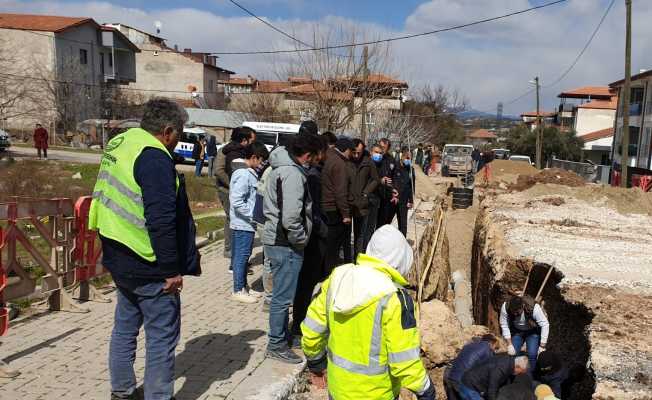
[[344, 143], [309, 126], [548, 362], [389, 245], [543, 392]]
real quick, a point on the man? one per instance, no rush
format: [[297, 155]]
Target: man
[[403, 182], [475, 157], [330, 138], [523, 320], [141, 211], [363, 325], [41, 141], [520, 389], [335, 184], [239, 139], [288, 223], [485, 379], [385, 171], [364, 183], [471, 354], [550, 370], [198, 153], [235, 152], [418, 155]]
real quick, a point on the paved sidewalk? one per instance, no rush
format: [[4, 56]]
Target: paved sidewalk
[[220, 356]]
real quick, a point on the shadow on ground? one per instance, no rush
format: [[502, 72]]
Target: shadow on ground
[[210, 358]]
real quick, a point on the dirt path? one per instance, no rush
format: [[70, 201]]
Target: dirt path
[[460, 225]]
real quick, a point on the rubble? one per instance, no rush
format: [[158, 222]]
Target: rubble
[[553, 176]]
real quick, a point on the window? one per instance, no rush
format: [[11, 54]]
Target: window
[[111, 61], [102, 63], [83, 56], [636, 101]]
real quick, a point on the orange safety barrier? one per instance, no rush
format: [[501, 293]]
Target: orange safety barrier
[[4, 311], [87, 250]]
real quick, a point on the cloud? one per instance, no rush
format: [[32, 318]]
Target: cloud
[[488, 63]]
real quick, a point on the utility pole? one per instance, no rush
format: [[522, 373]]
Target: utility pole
[[626, 93], [363, 108], [539, 126]]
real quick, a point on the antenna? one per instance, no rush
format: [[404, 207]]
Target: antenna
[[158, 25]]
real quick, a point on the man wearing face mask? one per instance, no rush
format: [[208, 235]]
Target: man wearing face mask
[[402, 195], [141, 211]]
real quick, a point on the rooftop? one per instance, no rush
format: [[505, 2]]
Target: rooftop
[[611, 104], [587, 92], [44, 23], [601, 134], [215, 118], [482, 134], [636, 77], [543, 114]]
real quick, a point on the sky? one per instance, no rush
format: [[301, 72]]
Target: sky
[[489, 63]]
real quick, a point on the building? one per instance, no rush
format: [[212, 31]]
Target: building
[[335, 103], [63, 69], [640, 123], [219, 123], [481, 137], [191, 77], [530, 118]]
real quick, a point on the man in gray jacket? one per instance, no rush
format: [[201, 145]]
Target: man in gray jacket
[[288, 222]]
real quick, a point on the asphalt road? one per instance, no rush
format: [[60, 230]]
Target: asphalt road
[[74, 156]]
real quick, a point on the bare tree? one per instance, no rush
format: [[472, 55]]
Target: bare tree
[[402, 130], [259, 106], [16, 94]]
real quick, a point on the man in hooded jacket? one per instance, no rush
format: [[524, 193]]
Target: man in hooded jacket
[[362, 325]]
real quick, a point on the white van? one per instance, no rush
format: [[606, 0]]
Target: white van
[[187, 141], [273, 134]]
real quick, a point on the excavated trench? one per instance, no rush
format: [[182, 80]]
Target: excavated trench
[[496, 276]]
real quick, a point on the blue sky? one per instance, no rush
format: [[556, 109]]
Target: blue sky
[[488, 63]]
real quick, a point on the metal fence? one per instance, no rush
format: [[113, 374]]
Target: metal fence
[[590, 172]]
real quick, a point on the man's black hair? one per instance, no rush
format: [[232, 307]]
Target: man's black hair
[[236, 134], [344, 143], [357, 142], [309, 127], [331, 139], [257, 149], [305, 143], [159, 113], [247, 132], [515, 306], [386, 141]]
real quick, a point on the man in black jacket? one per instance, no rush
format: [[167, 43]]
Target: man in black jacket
[[403, 182], [385, 171], [483, 381], [364, 208]]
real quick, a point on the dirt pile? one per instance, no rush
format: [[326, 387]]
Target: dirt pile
[[505, 171], [548, 176]]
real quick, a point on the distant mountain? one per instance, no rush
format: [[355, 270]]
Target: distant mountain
[[474, 114]]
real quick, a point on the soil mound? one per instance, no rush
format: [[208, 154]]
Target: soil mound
[[549, 176], [506, 171]]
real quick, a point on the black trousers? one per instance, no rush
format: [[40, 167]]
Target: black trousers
[[312, 272], [337, 236], [386, 212], [401, 212]]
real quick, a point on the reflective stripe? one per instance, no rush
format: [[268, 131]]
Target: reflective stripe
[[355, 367], [317, 357], [426, 386], [315, 326], [120, 187], [115, 207], [405, 355]]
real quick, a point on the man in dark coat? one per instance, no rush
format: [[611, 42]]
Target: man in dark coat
[[385, 171], [520, 389], [364, 183], [550, 370], [41, 141], [403, 183], [485, 379], [471, 354]]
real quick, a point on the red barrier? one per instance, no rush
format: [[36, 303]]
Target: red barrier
[[87, 250], [4, 312]]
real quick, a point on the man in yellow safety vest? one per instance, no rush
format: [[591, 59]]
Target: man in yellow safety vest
[[141, 212], [362, 325]]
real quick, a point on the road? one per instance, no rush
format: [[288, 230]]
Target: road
[[74, 156]]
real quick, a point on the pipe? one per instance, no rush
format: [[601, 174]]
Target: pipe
[[462, 302]]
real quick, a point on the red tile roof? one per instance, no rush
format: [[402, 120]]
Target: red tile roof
[[377, 78], [636, 77], [601, 134], [300, 79], [44, 23], [320, 89], [238, 80], [482, 134], [593, 92], [601, 104], [272, 86], [543, 114]]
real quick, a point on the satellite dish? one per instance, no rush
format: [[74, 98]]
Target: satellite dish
[[158, 25]]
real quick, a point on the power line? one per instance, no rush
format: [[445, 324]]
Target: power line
[[586, 46], [397, 38]]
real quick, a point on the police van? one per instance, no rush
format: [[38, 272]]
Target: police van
[[187, 141], [273, 134]]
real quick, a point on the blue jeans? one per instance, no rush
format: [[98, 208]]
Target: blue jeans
[[532, 340], [241, 245], [285, 264], [199, 165], [211, 162], [469, 394], [161, 315]]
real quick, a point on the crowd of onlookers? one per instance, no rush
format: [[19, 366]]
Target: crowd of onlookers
[[315, 204]]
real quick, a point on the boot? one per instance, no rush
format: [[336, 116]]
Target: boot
[[6, 372]]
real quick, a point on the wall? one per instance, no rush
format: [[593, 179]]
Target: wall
[[590, 120]]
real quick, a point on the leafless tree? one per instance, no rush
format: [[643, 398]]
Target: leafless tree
[[16, 94], [259, 106], [402, 130]]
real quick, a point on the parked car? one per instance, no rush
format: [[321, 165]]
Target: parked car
[[501, 154], [5, 143], [456, 159], [520, 158]]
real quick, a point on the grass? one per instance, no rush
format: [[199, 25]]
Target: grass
[[66, 148], [209, 224]]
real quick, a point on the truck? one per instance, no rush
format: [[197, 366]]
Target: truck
[[273, 134], [456, 159]]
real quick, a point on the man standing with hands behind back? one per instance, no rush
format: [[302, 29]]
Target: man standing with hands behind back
[[141, 211]]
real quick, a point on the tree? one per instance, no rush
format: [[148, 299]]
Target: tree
[[563, 145], [16, 94], [402, 130], [266, 107]]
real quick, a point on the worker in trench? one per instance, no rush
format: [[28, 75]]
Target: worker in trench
[[362, 329], [522, 320]]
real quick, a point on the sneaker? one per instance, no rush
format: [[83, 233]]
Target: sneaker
[[244, 297], [230, 270], [286, 355], [255, 293], [6, 372]]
